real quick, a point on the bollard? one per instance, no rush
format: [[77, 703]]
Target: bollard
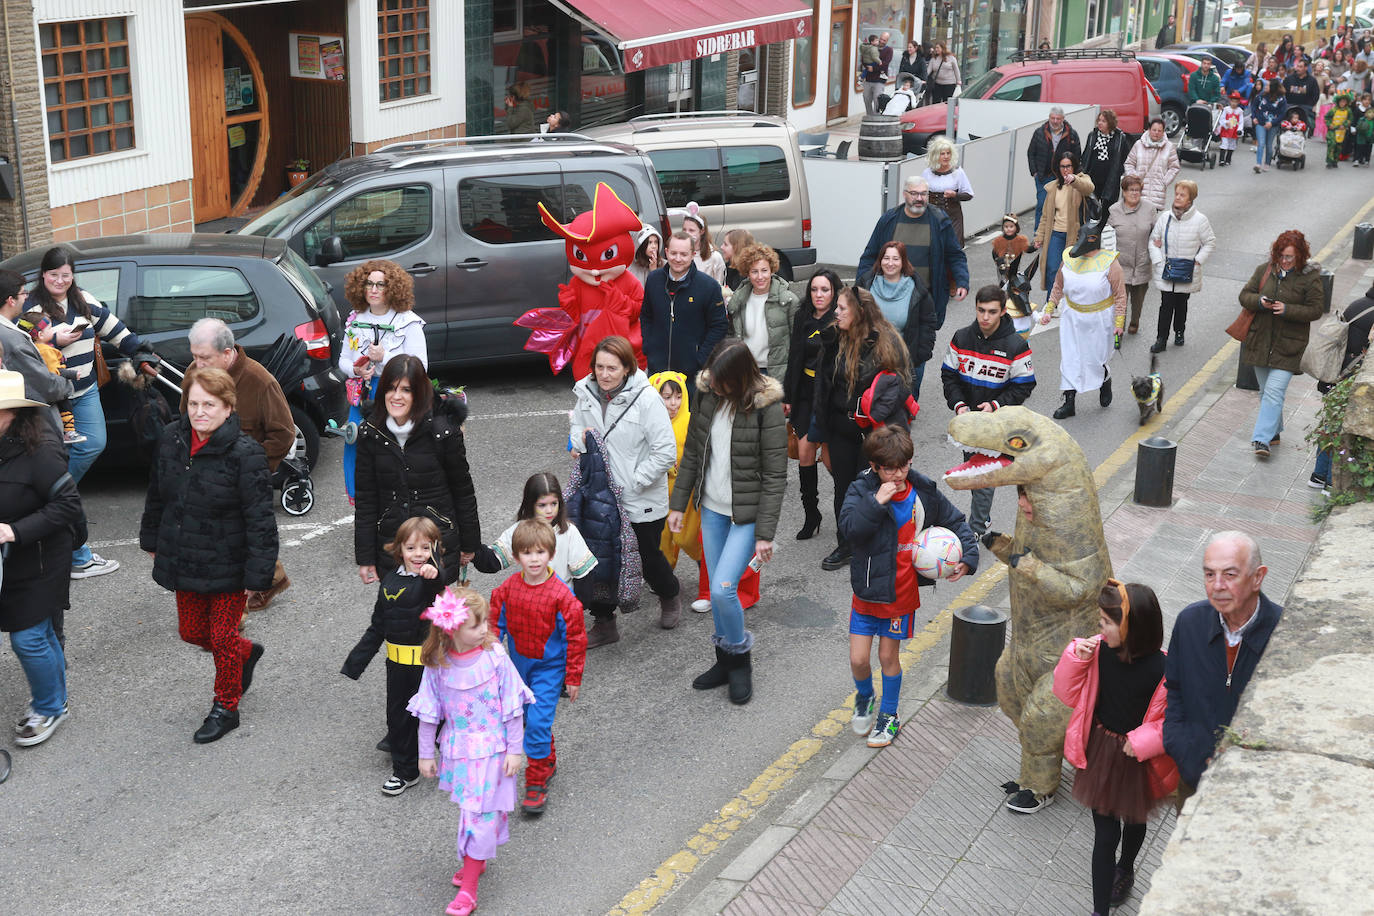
[[1362, 248], [976, 638], [1154, 472], [1246, 380]]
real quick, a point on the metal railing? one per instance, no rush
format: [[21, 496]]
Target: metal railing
[[1058, 54]]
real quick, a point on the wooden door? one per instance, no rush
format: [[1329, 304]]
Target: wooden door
[[838, 78], [209, 155]]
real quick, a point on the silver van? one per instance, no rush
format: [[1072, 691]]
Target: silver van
[[461, 217], [743, 169]]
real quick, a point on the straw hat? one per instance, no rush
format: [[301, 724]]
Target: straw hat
[[12, 392]]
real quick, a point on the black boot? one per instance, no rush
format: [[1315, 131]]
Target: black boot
[[741, 678], [219, 723], [1178, 338], [1104, 394], [1065, 409], [715, 676], [839, 557], [809, 476], [1160, 344]]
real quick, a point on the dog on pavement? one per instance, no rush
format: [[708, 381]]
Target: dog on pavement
[[1149, 392]]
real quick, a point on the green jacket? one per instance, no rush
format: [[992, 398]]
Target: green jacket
[[1277, 341], [1364, 130], [758, 457], [1204, 88], [779, 311]]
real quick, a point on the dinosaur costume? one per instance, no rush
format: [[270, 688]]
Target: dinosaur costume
[[1057, 563]]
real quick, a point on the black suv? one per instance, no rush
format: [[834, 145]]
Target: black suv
[[159, 284]]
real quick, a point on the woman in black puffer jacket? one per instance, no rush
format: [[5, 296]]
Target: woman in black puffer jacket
[[412, 462], [208, 523]]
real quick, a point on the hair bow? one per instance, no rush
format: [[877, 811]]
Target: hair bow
[[448, 612]]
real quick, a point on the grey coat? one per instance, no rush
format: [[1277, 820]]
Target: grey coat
[[40, 384], [1133, 229]]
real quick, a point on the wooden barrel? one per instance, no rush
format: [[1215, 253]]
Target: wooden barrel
[[880, 137]]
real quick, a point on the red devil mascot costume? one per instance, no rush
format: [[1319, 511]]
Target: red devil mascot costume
[[602, 298]]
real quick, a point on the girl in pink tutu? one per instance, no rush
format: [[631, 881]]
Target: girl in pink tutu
[[1115, 683], [471, 686]]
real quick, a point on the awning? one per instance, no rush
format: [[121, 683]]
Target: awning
[[652, 33]]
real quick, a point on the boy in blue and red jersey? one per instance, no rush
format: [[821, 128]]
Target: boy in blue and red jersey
[[540, 623], [884, 509]]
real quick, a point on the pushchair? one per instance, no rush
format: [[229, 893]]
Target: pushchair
[[1196, 143], [288, 362], [1292, 146]]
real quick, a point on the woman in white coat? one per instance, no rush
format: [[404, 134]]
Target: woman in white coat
[[1180, 232], [1154, 160], [617, 401]]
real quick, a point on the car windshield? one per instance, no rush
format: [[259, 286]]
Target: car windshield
[[982, 85], [271, 221]]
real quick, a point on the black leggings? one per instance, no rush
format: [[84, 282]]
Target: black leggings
[[846, 445], [1107, 833], [657, 572], [1172, 306]]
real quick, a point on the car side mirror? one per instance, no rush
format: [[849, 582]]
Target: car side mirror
[[331, 252]]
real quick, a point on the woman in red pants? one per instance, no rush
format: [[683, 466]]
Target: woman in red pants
[[208, 524]]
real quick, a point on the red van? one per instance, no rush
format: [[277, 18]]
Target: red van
[[1107, 77]]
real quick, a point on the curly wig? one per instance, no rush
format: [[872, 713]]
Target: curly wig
[[1298, 241], [749, 256], [400, 288], [937, 146]]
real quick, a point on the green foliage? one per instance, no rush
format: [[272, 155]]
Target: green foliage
[[1354, 455]]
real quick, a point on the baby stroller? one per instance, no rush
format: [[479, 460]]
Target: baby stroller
[[1292, 147], [1196, 143], [288, 362]]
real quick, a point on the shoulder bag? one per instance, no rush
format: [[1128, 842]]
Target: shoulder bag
[[1240, 328], [1176, 270]]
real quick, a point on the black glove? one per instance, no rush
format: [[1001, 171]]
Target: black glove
[[988, 538], [147, 360]]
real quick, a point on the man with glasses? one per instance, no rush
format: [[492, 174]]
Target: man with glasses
[[931, 245]]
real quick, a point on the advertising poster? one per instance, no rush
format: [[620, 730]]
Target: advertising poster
[[316, 57], [232, 99], [307, 56], [332, 58]]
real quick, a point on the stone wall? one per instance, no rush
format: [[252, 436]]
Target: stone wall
[[17, 44], [1280, 824]]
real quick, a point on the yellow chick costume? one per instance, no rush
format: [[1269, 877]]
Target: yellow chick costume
[[688, 539]]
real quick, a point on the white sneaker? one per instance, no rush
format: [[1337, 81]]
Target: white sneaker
[[37, 729], [98, 566], [702, 605], [865, 711]]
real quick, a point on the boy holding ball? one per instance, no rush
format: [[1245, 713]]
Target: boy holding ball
[[884, 510]]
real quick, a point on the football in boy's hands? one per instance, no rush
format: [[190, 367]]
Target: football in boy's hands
[[938, 553]]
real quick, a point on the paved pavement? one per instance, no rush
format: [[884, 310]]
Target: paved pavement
[[919, 827]]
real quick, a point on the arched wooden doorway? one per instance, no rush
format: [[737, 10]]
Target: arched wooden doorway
[[229, 124]]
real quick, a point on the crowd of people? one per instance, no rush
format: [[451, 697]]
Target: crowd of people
[[923, 75]]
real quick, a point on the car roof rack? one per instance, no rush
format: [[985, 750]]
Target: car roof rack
[[1055, 55], [685, 115], [424, 152], [455, 143]]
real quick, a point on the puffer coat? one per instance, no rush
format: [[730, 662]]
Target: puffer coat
[[1189, 236], [209, 517], [593, 499], [428, 477], [779, 313], [758, 457], [639, 441], [1156, 165], [1278, 341], [37, 571]]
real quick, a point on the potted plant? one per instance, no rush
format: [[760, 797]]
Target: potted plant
[[297, 171]]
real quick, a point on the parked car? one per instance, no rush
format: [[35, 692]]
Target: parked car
[[1110, 78], [1168, 73], [461, 217], [159, 284], [1224, 56], [744, 170], [1236, 18]]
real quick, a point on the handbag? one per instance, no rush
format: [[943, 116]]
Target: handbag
[[102, 371], [1176, 270], [1240, 328], [793, 444]]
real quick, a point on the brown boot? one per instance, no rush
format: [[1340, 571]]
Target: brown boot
[[261, 600], [603, 632], [670, 611]]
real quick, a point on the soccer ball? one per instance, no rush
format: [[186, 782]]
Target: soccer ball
[[938, 553]]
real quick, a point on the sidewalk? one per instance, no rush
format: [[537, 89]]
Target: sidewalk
[[920, 827]]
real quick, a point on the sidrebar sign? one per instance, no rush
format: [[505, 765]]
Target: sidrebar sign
[[725, 41]]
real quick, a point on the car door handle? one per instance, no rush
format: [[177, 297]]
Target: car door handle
[[421, 269], [471, 263]]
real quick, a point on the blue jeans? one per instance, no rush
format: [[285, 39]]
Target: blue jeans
[[1323, 468], [1040, 194], [918, 372], [1262, 152], [728, 548], [44, 665], [1054, 256], [90, 422], [1273, 386]]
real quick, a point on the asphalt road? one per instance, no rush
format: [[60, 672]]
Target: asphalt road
[[120, 812]]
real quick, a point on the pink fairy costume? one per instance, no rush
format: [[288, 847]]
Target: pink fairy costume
[[479, 697]]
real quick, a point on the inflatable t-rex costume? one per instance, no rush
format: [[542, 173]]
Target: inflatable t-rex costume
[[602, 298], [1057, 564]]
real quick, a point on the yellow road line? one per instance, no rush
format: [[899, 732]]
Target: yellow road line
[[680, 865]]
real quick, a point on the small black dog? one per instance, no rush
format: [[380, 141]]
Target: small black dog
[[1149, 392]]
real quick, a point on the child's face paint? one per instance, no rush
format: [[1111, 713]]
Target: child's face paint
[[546, 507]]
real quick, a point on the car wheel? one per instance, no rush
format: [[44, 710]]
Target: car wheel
[[307, 436], [1173, 119]]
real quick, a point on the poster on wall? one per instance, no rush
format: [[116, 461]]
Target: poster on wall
[[882, 17], [316, 57], [232, 101]]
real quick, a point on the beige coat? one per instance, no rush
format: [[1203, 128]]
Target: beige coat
[[1133, 229], [1156, 165], [1082, 188]]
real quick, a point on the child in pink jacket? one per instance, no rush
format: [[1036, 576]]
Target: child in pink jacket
[[1115, 683]]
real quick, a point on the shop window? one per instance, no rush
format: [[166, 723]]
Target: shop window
[[174, 298], [804, 63], [403, 48], [505, 210], [755, 173], [579, 191], [375, 224], [689, 174], [87, 88]]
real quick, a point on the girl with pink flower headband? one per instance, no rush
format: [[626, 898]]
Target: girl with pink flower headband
[[471, 686]]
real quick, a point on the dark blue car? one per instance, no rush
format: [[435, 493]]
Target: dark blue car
[[1167, 73]]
